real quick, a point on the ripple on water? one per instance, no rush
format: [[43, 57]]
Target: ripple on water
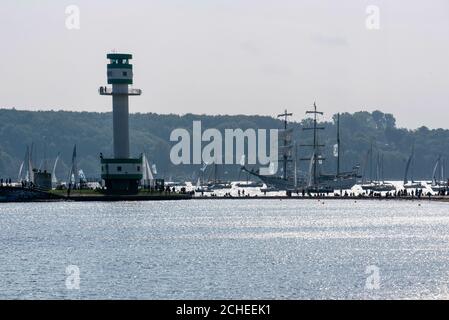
[[215, 249]]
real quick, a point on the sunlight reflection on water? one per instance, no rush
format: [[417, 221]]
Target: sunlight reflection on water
[[211, 249]]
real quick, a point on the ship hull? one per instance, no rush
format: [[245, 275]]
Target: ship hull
[[326, 183]]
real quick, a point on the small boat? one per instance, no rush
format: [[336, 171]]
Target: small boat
[[219, 185], [410, 164], [383, 187], [200, 188], [270, 189], [379, 185], [215, 183], [319, 189], [439, 185], [175, 184], [250, 184]]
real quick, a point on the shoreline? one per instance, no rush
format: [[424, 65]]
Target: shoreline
[[17, 194]]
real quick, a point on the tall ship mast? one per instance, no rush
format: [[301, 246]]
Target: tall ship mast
[[320, 182], [288, 180], [317, 181], [285, 150], [316, 157]]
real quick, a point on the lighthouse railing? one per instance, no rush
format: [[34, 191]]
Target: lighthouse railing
[[127, 91]]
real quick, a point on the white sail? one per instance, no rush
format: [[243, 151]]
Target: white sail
[[407, 167], [147, 175], [434, 178], [30, 175], [54, 180], [242, 160], [19, 178], [335, 150], [312, 159], [198, 183], [144, 174], [148, 169], [73, 174], [81, 175], [154, 169]]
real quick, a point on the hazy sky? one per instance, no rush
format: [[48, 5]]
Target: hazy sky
[[232, 57]]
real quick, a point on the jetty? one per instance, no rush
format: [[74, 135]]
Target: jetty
[[27, 194]]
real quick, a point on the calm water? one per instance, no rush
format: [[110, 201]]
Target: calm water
[[247, 249]]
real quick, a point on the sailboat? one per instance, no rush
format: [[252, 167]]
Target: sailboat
[[199, 187], [26, 173], [147, 176], [23, 166], [72, 179], [341, 180], [380, 185], [54, 180], [441, 184], [216, 183], [367, 185], [248, 183], [410, 165]]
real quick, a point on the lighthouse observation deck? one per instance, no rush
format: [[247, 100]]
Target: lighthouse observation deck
[[105, 91]]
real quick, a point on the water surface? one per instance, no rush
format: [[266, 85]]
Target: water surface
[[225, 249]]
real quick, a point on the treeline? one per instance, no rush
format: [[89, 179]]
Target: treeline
[[52, 132]]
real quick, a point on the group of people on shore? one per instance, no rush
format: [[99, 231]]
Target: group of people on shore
[[5, 182], [418, 193]]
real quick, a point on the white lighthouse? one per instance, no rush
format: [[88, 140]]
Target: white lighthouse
[[121, 173]]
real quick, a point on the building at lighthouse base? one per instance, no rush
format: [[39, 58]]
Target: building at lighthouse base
[[121, 176]]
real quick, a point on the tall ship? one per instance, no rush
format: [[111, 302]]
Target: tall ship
[[314, 181], [318, 181], [289, 179]]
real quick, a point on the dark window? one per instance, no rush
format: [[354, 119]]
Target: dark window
[[138, 168], [125, 73], [119, 168]]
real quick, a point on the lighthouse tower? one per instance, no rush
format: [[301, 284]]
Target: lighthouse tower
[[122, 173]]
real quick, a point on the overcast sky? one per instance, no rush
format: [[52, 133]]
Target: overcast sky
[[232, 57]]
